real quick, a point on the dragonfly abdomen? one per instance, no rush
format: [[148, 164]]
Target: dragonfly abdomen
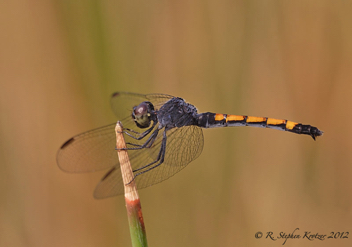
[[214, 120]]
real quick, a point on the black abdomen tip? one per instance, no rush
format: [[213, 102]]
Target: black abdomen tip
[[306, 130], [314, 132]]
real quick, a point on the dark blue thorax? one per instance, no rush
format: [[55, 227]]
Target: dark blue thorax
[[176, 113]]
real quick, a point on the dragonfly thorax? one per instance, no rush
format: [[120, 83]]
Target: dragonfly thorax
[[176, 113]]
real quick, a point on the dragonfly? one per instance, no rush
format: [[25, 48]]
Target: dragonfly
[[163, 135]]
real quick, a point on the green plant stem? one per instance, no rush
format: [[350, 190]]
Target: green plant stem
[[133, 205]]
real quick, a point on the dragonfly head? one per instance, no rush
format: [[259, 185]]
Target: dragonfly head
[[142, 114]]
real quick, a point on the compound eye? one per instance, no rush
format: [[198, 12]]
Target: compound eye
[[140, 110], [141, 115]]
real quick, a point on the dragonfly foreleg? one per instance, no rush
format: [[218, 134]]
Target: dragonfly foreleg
[[148, 143], [160, 158], [140, 135]]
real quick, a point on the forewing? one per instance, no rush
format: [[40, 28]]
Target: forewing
[[122, 103], [95, 149]]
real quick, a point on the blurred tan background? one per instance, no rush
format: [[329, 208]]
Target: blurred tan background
[[61, 60]]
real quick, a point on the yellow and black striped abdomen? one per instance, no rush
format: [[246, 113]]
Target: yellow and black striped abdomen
[[213, 120]]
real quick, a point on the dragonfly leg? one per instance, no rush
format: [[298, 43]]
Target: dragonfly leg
[[140, 135], [159, 159], [147, 144]]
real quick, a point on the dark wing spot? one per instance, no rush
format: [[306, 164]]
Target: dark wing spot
[[69, 141], [108, 173], [115, 94]]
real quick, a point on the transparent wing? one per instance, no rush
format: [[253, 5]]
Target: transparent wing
[[122, 103], [94, 150], [183, 146], [91, 151]]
